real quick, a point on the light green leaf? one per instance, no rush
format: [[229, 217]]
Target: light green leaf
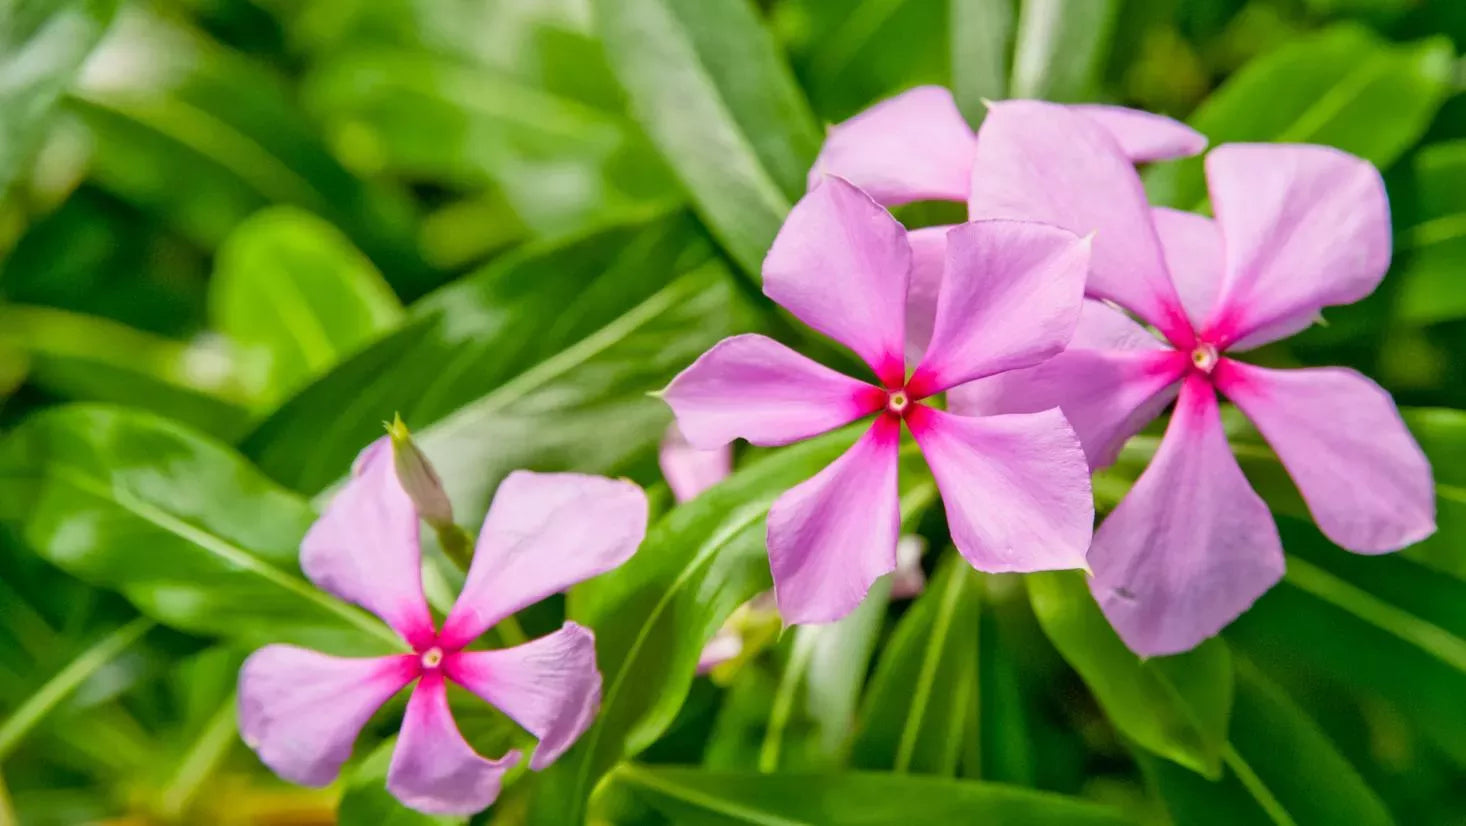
[[706, 82], [1176, 706], [1061, 48], [695, 797], [290, 288], [1431, 251], [183, 527], [982, 34]]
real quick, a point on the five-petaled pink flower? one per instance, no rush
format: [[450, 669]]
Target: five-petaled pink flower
[[1016, 487], [302, 710], [1297, 228]]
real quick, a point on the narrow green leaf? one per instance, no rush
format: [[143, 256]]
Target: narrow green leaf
[[1431, 251], [188, 531], [201, 760], [982, 49], [694, 796], [1176, 707], [1061, 48], [1342, 87], [707, 83]]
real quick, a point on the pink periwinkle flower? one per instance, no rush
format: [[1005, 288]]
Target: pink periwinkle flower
[[1016, 487], [1297, 228], [301, 710]]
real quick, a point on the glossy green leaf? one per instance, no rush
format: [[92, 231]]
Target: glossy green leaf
[[1280, 769], [982, 34], [291, 289], [43, 44], [1060, 48], [1431, 251], [184, 528], [707, 83], [1342, 87], [653, 615], [540, 360], [1176, 706], [695, 797], [95, 359], [919, 704]]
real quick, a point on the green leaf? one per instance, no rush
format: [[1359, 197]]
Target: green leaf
[[1174, 706], [707, 83], [43, 44], [89, 358], [1342, 87], [1281, 769], [184, 528], [653, 615], [291, 288], [366, 801], [1431, 251], [982, 33], [543, 359], [693, 796], [919, 704], [1061, 48]]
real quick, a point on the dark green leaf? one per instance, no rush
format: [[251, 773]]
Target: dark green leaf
[[707, 83], [1433, 248], [1174, 706], [982, 49]]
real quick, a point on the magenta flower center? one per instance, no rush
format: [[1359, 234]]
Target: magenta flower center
[[432, 658], [897, 401], [1204, 357]]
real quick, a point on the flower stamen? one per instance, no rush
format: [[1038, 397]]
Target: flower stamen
[[897, 401], [1204, 357], [432, 658]]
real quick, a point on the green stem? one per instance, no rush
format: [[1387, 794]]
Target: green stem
[[200, 761], [1254, 785], [804, 645]]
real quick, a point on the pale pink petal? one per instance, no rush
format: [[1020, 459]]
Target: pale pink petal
[[1103, 327], [1366, 480], [365, 549], [908, 580], [1193, 249], [840, 264], [549, 686], [690, 471], [433, 768], [755, 388], [928, 260], [1045, 162], [1010, 298], [1191, 546], [1305, 227], [1142, 136], [915, 146], [726, 644], [544, 532], [1015, 487], [301, 710], [832, 535]]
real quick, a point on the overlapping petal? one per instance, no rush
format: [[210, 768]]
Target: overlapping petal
[[928, 260], [301, 711], [1143, 136], [1010, 298], [1044, 162], [755, 388], [832, 535], [544, 532], [840, 264], [433, 768], [549, 686], [1016, 487], [1366, 481], [1191, 546], [1306, 227], [915, 146], [1193, 250], [365, 548], [690, 471]]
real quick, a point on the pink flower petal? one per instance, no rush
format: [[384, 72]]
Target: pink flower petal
[[928, 260], [840, 263], [832, 535], [908, 580], [549, 686], [1044, 162], [915, 146], [1010, 298], [1015, 487], [544, 532], [1191, 546], [1193, 249], [1306, 227], [1142, 136], [726, 644], [755, 388], [690, 471], [364, 548], [301, 710], [1365, 479], [433, 768]]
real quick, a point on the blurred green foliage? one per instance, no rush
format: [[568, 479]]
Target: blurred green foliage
[[237, 235]]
